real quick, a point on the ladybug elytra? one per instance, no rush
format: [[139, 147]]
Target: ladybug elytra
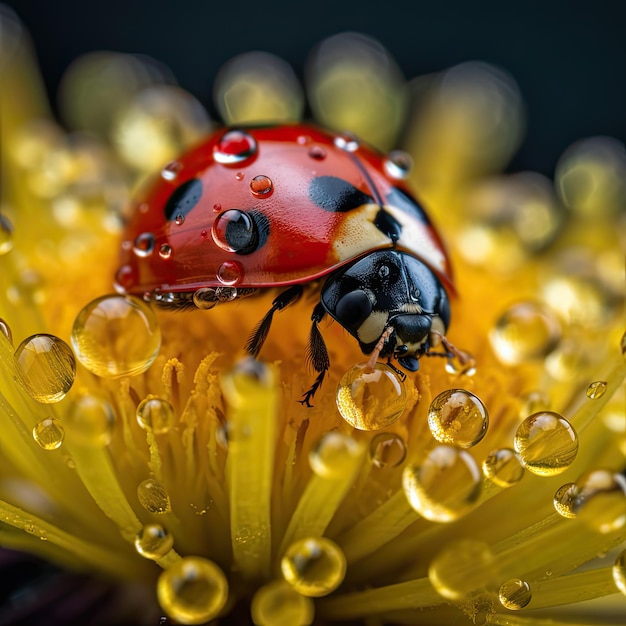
[[257, 208]]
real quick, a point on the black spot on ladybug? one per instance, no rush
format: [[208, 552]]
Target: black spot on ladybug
[[403, 201], [337, 195], [247, 231], [183, 199], [388, 224]]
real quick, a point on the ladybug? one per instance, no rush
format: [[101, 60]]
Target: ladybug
[[287, 206]]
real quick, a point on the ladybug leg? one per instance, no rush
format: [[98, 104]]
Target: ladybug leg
[[317, 354], [259, 334], [451, 350]]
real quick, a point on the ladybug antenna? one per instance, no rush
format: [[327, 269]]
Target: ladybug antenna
[[464, 358], [316, 355], [259, 334]]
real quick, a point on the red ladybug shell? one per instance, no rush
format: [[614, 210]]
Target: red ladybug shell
[[270, 206]]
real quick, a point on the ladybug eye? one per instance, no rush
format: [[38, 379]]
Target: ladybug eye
[[353, 308], [239, 231]]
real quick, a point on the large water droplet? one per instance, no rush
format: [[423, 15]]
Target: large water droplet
[[6, 235], [515, 594], [371, 399], [49, 433], [279, 604], [153, 496], [387, 450], [525, 331], [116, 336], [153, 541], [48, 367], [444, 486], [90, 421], [235, 147], [458, 417], [314, 566], [566, 500], [547, 443], [192, 591], [333, 455], [155, 414], [503, 467]]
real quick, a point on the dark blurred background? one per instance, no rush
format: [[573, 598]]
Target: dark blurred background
[[569, 58]]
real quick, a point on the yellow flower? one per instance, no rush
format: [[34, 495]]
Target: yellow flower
[[165, 460]]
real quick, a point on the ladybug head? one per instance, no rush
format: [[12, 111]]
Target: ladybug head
[[388, 289]]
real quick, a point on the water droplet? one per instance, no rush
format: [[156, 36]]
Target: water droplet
[[601, 502], [205, 298], [204, 234], [458, 365], [566, 500], [217, 207], [347, 141], [371, 399], [90, 421], [458, 417], [229, 273], [234, 147], [462, 569], [261, 186], [48, 367], [6, 235], [179, 219], [49, 433], [192, 591], [116, 336], [333, 455], [398, 164], [165, 251], [5, 329], [279, 604], [318, 153], [387, 450], [525, 331], [153, 496], [171, 170], [314, 566], [547, 443], [156, 414], [619, 571], [444, 486], [515, 594], [234, 231], [239, 176], [153, 541], [144, 245], [125, 278], [596, 389], [503, 467]]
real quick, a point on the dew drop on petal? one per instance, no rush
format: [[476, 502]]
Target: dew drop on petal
[[601, 502], [171, 170], [524, 332], [261, 186], [153, 496], [462, 569], [387, 450], [116, 336], [566, 500], [192, 591], [619, 571], [6, 235], [48, 367], [144, 245], [515, 594], [398, 164], [49, 433], [444, 486], [333, 455], [596, 389], [279, 604], [155, 414], [153, 541], [314, 566], [503, 467], [371, 399], [90, 421], [458, 417], [547, 443], [5, 329]]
